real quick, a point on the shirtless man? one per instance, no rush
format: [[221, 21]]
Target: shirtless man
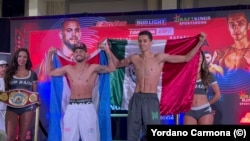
[[144, 105], [213, 68], [237, 56], [80, 115]]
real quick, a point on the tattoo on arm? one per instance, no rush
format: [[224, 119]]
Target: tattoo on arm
[[109, 67], [103, 69], [108, 56]]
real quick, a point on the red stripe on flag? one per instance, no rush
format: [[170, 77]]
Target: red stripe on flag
[[95, 59], [178, 79], [63, 61]]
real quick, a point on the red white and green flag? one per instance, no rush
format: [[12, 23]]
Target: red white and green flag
[[177, 81]]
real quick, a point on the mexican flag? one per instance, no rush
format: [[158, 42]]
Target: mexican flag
[[177, 81]]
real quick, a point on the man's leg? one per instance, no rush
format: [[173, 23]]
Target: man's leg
[[70, 124], [134, 118], [150, 112], [89, 125]]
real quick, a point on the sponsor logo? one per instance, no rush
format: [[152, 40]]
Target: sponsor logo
[[178, 37], [165, 31], [167, 117], [208, 110], [155, 115], [155, 31], [115, 107], [245, 98], [142, 22], [191, 20], [111, 24], [246, 118]]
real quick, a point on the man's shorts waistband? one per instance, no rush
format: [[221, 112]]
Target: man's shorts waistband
[[142, 94], [80, 101]]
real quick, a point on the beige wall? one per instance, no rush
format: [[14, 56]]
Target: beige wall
[[98, 6], [60, 7], [103, 6], [34, 7], [214, 3]]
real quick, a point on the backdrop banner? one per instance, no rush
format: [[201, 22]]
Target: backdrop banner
[[226, 29]]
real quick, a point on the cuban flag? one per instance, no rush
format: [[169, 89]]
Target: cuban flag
[[60, 95]]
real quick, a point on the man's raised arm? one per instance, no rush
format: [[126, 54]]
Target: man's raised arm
[[163, 57], [191, 53], [118, 63], [111, 65], [51, 71]]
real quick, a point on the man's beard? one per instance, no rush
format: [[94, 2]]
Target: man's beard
[[68, 44], [79, 60]]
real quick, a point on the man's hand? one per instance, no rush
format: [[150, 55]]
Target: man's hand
[[52, 50], [103, 46], [202, 36]]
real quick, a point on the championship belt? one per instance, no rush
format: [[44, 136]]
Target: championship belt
[[19, 98]]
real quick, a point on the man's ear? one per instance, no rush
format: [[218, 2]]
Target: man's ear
[[248, 26], [60, 35]]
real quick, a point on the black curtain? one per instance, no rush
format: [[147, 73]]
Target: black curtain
[[5, 35]]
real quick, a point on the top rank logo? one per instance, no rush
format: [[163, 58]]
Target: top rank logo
[[142, 22], [191, 20]]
